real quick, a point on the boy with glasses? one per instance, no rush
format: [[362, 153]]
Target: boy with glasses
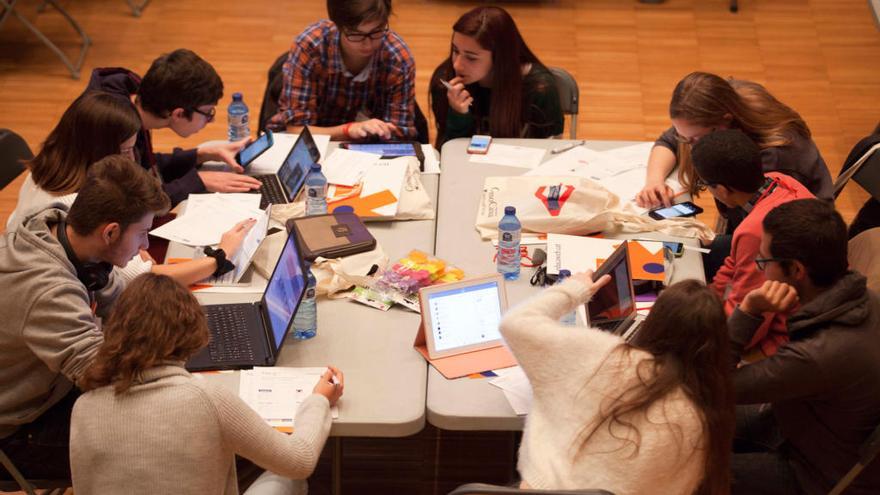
[[180, 92], [807, 409], [350, 76], [728, 164]]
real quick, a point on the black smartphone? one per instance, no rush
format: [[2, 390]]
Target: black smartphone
[[685, 209], [250, 152]]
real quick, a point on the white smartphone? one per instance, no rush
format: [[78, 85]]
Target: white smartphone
[[479, 144]]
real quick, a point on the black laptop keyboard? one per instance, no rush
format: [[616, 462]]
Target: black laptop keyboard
[[229, 334], [272, 192]]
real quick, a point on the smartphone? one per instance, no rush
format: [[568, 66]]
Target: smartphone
[[479, 145], [250, 152], [685, 209]]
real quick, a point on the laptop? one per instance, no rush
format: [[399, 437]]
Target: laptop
[[613, 307], [251, 334], [282, 187]]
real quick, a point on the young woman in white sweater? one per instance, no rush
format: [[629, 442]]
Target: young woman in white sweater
[[146, 426], [652, 416]]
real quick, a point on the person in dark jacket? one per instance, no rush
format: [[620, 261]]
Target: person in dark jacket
[[814, 402], [180, 91]]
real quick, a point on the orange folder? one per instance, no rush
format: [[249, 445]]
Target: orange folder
[[466, 363]]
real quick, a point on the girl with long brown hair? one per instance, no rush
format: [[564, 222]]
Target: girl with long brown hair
[[494, 84], [96, 125], [655, 415], [702, 103], [146, 424]]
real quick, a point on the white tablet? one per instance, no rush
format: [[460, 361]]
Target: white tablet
[[463, 316]]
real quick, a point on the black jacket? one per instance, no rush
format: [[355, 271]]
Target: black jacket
[[824, 384], [177, 169]]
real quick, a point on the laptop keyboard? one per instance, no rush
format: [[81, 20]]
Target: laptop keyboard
[[271, 190], [230, 340]]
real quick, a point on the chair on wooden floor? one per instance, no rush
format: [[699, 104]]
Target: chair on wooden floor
[[7, 8], [569, 97], [867, 454], [13, 150], [864, 256], [484, 489], [50, 487]]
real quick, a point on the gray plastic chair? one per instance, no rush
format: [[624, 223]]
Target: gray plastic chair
[[13, 149], [865, 171], [484, 489], [7, 8], [30, 487], [569, 97], [867, 453]]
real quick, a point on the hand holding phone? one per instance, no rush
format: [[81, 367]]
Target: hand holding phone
[[479, 145], [250, 152], [684, 209]]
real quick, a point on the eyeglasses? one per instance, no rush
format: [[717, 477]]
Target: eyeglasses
[[702, 185], [356, 37], [761, 263], [209, 116], [692, 139]]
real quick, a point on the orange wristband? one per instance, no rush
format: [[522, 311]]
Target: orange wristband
[[345, 128]]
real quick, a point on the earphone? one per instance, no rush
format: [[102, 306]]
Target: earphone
[[95, 276]]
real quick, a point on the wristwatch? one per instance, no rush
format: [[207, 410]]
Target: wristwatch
[[223, 264]]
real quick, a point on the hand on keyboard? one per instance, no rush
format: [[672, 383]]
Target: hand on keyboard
[[227, 182]]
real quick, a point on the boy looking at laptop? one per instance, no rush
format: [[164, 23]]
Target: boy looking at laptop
[[350, 76], [815, 401], [58, 264], [728, 163], [180, 92]]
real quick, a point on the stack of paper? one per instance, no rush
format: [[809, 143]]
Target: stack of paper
[[516, 387], [276, 393], [346, 167], [208, 216], [579, 254], [377, 195], [270, 161], [512, 156]]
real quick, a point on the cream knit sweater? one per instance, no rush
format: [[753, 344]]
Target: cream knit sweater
[[573, 373], [176, 433]]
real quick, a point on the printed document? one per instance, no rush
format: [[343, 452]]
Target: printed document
[[276, 393]]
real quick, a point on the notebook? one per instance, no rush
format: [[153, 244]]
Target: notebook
[[251, 334], [282, 187]]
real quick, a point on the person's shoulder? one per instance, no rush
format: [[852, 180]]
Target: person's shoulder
[[317, 36], [396, 54]]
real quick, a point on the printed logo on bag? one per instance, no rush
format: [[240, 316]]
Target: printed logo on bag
[[554, 198], [341, 230]]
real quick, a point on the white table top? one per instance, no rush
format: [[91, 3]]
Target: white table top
[[474, 404], [385, 378]]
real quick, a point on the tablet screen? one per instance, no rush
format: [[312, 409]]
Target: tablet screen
[[385, 149], [465, 316]]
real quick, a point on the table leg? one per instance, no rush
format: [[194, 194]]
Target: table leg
[[336, 488]]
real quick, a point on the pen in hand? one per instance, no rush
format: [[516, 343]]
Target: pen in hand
[[567, 147]]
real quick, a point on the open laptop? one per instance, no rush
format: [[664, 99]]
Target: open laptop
[[613, 307], [283, 186], [251, 334]]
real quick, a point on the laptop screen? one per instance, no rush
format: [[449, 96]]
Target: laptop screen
[[615, 300], [284, 291], [300, 159]]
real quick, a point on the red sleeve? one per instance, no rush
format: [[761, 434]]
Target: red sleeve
[[739, 275]]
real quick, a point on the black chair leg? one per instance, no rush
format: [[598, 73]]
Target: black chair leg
[[734, 6]]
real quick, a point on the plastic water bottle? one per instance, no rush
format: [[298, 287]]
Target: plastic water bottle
[[316, 191], [305, 322], [570, 318], [509, 231], [237, 113]]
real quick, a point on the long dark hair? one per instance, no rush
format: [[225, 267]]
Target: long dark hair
[[154, 321], [686, 334], [92, 127], [495, 30]]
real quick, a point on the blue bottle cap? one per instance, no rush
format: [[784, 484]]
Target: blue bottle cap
[[236, 96], [564, 273], [316, 167], [510, 210]]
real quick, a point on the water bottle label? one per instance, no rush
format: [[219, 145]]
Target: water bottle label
[[507, 254], [315, 191], [310, 293], [244, 119], [507, 237]]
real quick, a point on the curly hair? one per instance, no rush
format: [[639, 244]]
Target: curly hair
[[154, 321]]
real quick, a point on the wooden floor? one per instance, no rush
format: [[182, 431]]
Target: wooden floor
[[819, 56]]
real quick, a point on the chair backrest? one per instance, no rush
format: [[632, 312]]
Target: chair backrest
[[484, 489], [569, 96], [13, 151], [865, 171], [867, 454], [864, 256], [28, 486]]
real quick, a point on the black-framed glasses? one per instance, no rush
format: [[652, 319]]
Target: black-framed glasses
[[761, 263], [702, 185], [693, 139], [356, 37], [209, 116]]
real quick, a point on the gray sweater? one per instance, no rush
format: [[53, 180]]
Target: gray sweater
[[823, 385], [173, 432], [800, 159], [49, 335]]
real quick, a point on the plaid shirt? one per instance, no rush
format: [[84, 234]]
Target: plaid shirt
[[319, 90]]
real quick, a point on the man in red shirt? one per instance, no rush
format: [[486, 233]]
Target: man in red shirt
[[728, 164]]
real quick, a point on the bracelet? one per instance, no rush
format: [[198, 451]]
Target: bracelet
[[345, 127], [223, 265]]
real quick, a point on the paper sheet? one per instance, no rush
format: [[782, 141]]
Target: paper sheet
[[205, 221], [512, 156], [432, 163], [347, 167], [516, 387], [270, 161], [582, 162], [275, 393]]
